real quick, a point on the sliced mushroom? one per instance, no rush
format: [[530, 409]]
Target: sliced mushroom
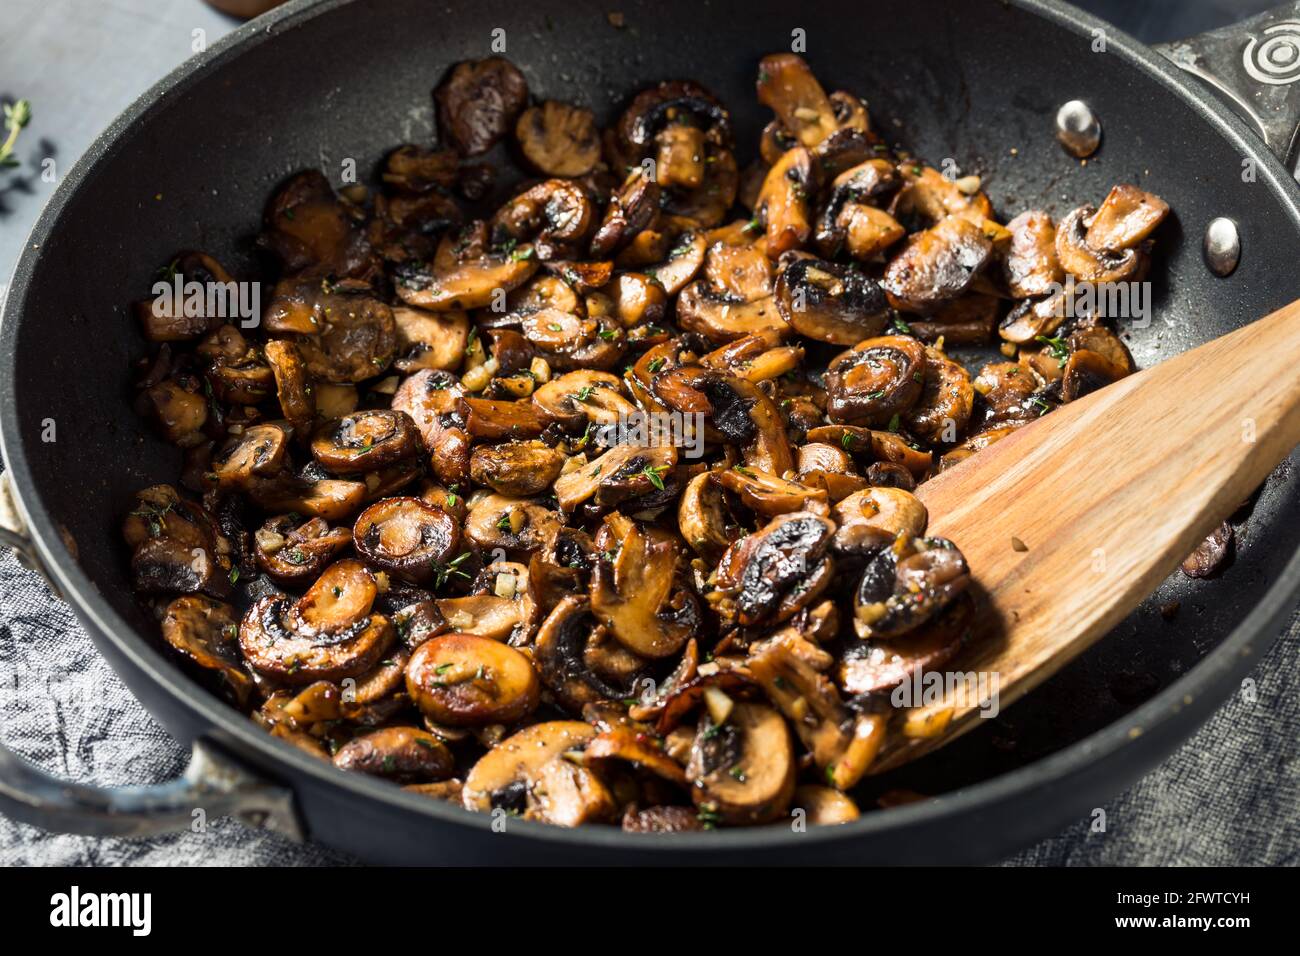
[[583, 395], [1087, 264], [309, 227], [708, 204], [1031, 267], [1099, 339], [403, 754], [573, 655], [559, 139], [789, 88], [685, 259], [516, 526], [528, 775], [176, 546], [929, 196], [1127, 217], [824, 806], [431, 400], [722, 317], [462, 680], [630, 210], [1033, 319], [291, 383], [622, 473], [435, 340], [665, 819], [702, 519], [236, 371], [178, 408], [885, 447], [650, 120], [1211, 554], [406, 537], [1087, 371], [784, 201], [365, 441], [774, 573], [293, 552], [466, 273], [491, 616], [168, 318], [877, 666], [555, 216], [344, 335], [206, 632], [831, 302], [769, 495], [519, 468], [977, 442], [419, 169], [947, 401], [937, 265], [256, 451], [873, 518], [743, 771], [332, 500], [486, 418], [906, 585], [1009, 390], [478, 102], [876, 380]]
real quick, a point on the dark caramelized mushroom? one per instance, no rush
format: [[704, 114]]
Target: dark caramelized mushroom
[[478, 102], [291, 383], [1087, 371], [164, 318], [784, 201], [876, 666], [344, 336], [554, 216], [1031, 267], [873, 518], [406, 536], [789, 88], [830, 302], [1087, 264], [518, 468], [365, 441], [559, 139], [576, 661], [906, 585], [743, 771], [464, 681], [1211, 554], [435, 340], [937, 265], [775, 572], [466, 273], [876, 380], [256, 451], [206, 632], [293, 552], [630, 210], [403, 754], [947, 401]]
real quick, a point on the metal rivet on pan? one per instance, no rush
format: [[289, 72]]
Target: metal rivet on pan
[[1222, 246], [1078, 129]]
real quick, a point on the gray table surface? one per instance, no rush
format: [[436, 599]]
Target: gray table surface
[[1231, 795]]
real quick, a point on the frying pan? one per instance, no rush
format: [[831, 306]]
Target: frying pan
[[192, 162]]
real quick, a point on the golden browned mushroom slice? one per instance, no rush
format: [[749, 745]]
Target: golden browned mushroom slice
[[291, 383], [349, 336], [674, 121], [407, 537], [742, 771], [721, 316], [931, 196], [554, 215], [630, 210], [1009, 391], [419, 169], [308, 226], [206, 632], [257, 451], [685, 259], [293, 552], [1099, 339], [638, 298], [736, 411], [503, 609], [823, 805], [830, 302], [430, 398], [769, 495], [937, 265], [514, 525], [518, 468], [164, 318], [1031, 267], [559, 139], [1034, 319], [842, 743], [830, 468], [464, 681], [236, 370], [176, 546], [967, 320], [755, 358], [876, 666], [906, 585], [774, 573], [702, 517], [329, 634], [871, 519], [579, 660], [403, 754], [785, 201], [478, 101], [624, 472], [977, 442], [1087, 264], [331, 499], [1126, 217], [708, 204], [884, 447], [637, 745], [528, 775], [947, 401], [581, 396], [178, 408], [571, 340], [365, 441], [664, 819], [876, 380], [497, 420], [789, 88], [466, 273], [634, 592], [434, 340], [1085, 372]]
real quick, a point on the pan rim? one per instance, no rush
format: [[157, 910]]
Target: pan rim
[[1234, 654]]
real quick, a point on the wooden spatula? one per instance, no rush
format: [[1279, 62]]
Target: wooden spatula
[[1107, 495]]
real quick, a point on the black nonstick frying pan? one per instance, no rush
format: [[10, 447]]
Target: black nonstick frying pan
[[311, 85]]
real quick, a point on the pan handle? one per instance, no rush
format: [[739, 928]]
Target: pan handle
[[1255, 66], [212, 785]]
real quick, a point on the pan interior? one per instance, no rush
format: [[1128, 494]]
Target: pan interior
[[975, 83]]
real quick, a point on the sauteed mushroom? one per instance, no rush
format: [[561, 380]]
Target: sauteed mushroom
[[743, 770], [517, 468], [559, 139], [478, 102], [830, 302], [463, 680], [938, 264], [876, 380], [294, 552], [403, 754], [364, 441], [205, 631], [906, 585], [407, 537]]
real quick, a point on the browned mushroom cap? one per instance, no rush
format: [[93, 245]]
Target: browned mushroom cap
[[1099, 339], [769, 495], [930, 196], [466, 272], [291, 383], [842, 744], [702, 517], [1033, 318], [178, 408], [491, 419], [293, 552], [873, 518], [883, 446], [742, 771], [830, 302], [206, 632], [581, 396], [406, 536], [1211, 554], [554, 215], [164, 318], [256, 451], [404, 754], [850, 221], [755, 358], [518, 468], [1085, 372], [1031, 267], [781, 569], [785, 198], [345, 335], [478, 102], [365, 441], [633, 590], [638, 745], [740, 269], [328, 498], [1086, 263], [435, 340], [665, 819], [308, 226], [431, 399], [721, 316], [579, 660], [329, 634], [625, 472], [823, 805], [736, 411], [569, 340], [515, 526], [502, 607], [559, 139], [176, 545], [236, 371], [875, 380], [937, 265], [638, 298], [906, 585], [670, 104], [788, 87], [465, 681], [1009, 391], [947, 401], [630, 210], [876, 666], [685, 259], [419, 169], [1126, 217], [530, 774], [708, 204]]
